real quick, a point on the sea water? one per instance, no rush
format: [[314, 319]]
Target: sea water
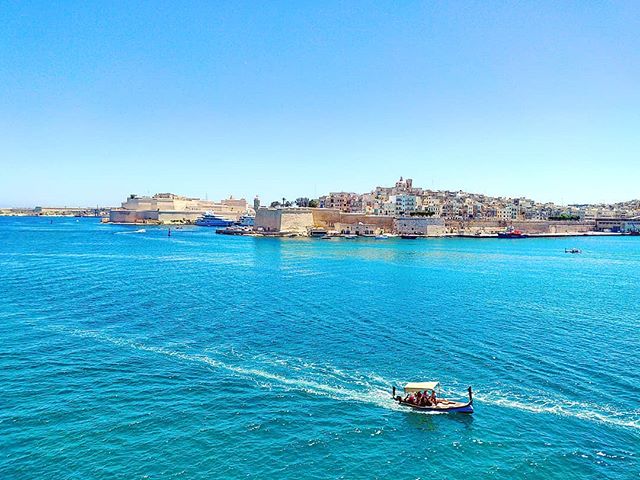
[[131, 354]]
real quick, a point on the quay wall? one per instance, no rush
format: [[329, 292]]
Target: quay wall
[[133, 216], [527, 226], [117, 215]]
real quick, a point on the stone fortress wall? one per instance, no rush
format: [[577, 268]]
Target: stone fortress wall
[[284, 220], [472, 227], [329, 218]]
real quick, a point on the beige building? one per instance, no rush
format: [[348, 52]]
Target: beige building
[[171, 208], [428, 226]]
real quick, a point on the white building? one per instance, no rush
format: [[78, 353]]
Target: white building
[[405, 203]]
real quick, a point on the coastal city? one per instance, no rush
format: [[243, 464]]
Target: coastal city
[[401, 209], [320, 240]]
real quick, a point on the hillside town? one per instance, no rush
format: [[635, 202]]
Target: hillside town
[[401, 209], [403, 198]]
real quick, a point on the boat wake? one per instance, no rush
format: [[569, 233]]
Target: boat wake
[[129, 232], [378, 395], [582, 411], [362, 387]]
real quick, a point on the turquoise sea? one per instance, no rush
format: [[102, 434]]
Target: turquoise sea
[[128, 354]]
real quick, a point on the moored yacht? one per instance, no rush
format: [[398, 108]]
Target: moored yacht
[[209, 219]]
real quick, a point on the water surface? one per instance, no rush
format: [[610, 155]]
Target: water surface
[[131, 354]]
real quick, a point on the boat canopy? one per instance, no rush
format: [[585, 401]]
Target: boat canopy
[[419, 386]]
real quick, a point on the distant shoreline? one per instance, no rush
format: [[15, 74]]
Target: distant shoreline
[[482, 236]]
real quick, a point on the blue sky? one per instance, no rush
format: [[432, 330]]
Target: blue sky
[[103, 99]]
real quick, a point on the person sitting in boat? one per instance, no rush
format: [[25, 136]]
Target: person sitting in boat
[[419, 398], [424, 400], [432, 398], [410, 398]]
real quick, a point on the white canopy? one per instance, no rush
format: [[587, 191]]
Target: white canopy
[[420, 386]]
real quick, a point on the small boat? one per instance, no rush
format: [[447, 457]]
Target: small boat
[[236, 230], [409, 237], [326, 237], [512, 233], [381, 237], [349, 236], [318, 232], [634, 233], [442, 405], [572, 250]]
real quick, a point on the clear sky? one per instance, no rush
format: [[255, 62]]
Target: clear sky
[[102, 99]]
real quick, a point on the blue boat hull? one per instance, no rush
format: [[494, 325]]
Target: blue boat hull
[[444, 405], [510, 235], [213, 223], [466, 408]]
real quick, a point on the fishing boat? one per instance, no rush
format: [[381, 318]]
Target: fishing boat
[[512, 233], [442, 405]]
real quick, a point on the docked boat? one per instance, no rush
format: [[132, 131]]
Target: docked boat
[[349, 236], [381, 237], [326, 237], [409, 237], [209, 219], [432, 402], [235, 230], [512, 233], [247, 221], [318, 232]]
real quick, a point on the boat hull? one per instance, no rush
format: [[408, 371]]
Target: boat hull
[[512, 235], [453, 407], [213, 223]]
